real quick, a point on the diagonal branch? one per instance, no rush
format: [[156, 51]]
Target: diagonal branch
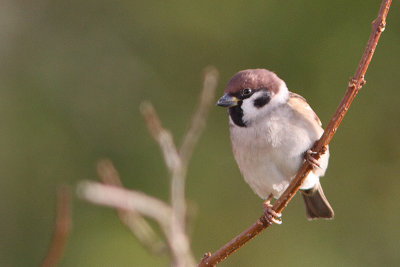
[[146, 205], [177, 161], [133, 220], [355, 84], [132, 205], [162, 136], [171, 158], [128, 200], [62, 228], [199, 118], [179, 241]]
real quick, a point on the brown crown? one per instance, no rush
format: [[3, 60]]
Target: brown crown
[[254, 79]]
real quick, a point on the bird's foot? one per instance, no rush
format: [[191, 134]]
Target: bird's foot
[[270, 215], [310, 159]]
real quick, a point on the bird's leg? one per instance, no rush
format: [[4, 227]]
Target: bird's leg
[[310, 159], [269, 214]]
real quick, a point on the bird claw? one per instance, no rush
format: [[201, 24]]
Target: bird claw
[[311, 160], [270, 215]]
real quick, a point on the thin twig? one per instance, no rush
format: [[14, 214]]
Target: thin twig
[[354, 86], [162, 136], [177, 161], [131, 219], [151, 207], [172, 220], [171, 158], [179, 240], [62, 228], [124, 199], [199, 117]]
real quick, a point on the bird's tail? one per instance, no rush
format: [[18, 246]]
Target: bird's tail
[[317, 206]]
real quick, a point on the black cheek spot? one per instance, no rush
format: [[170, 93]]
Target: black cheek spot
[[262, 101]]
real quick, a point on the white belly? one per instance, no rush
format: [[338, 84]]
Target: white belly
[[268, 162]]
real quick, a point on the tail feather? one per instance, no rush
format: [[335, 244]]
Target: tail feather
[[317, 206]]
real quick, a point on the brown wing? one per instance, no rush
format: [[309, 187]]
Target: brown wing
[[299, 103], [306, 116]]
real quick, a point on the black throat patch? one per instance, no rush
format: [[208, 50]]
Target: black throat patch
[[236, 114]]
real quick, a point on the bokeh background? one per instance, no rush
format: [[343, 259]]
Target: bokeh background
[[73, 74]]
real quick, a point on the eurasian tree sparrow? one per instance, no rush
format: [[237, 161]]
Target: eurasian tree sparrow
[[271, 131]]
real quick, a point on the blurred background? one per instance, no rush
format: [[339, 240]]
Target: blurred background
[[73, 74]]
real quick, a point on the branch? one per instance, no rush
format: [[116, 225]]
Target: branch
[[177, 161], [62, 228], [199, 118], [131, 219], [178, 239], [131, 205], [154, 208], [171, 158], [128, 200], [162, 136], [355, 84]]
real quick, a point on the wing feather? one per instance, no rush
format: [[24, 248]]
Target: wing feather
[[299, 103]]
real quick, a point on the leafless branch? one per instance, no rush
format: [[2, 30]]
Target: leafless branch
[[148, 206], [131, 219], [354, 86], [177, 161], [198, 123], [62, 228], [162, 136], [172, 219], [129, 200], [171, 158], [179, 241]]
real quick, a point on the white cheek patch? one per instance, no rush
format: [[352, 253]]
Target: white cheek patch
[[251, 112]]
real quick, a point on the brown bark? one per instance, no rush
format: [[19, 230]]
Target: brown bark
[[355, 84]]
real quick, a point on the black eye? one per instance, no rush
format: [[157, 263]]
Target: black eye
[[246, 91]]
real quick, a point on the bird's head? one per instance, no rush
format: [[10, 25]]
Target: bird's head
[[252, 94]]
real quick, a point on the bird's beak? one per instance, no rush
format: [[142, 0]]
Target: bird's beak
[[227, 101]]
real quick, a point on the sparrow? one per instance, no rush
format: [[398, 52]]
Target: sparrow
[[272, 131]]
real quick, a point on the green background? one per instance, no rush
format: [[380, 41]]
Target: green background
[[73, 74]]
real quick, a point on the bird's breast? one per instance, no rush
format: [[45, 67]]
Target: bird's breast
[[268, 156]]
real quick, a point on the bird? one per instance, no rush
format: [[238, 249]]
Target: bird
[[272, 131]]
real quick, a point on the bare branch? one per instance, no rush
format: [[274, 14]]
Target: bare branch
[[354, 86], [162, 136], [107, 173], [131, 205], [62, 228], [177, 162], [199, 118], [174, 164], [178, 240], [131, 219], [151, 207], [128, 200]]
